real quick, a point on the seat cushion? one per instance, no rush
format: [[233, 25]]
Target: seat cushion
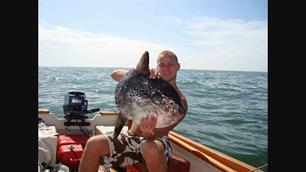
[[175, 164], [178, 164]]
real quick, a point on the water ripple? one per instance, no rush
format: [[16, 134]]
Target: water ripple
[[227, 110]]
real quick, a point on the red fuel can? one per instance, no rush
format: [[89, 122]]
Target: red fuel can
[[70, 149], [70, 154], [71, 139], [64, 140]]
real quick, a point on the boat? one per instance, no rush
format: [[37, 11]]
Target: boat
[[60, 139]]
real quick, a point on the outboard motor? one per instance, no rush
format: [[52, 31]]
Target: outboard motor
[[70, 146], [75, 108]]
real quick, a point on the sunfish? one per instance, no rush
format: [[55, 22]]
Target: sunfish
[[137, 96]]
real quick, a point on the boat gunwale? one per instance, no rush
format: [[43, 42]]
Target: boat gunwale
[[212, 155]]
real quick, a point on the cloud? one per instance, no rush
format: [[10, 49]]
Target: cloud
[[223, 32], [62, 46], [207, 43], [225, 44]]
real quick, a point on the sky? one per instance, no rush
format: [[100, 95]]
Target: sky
[[204, 34]]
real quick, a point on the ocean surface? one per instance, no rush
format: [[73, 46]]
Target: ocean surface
[[227, 110]]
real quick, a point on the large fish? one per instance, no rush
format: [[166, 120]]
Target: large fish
[[137, 96]]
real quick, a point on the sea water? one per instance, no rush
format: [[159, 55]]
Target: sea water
[[227, 110]]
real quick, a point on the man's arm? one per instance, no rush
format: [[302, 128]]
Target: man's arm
[[148, 130], [118, 74], [147, 125], [158, 132]]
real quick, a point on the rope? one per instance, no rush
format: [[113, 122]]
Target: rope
[[72, 150], [85, 133]]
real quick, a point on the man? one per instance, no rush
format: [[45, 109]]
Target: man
[[142, 144]]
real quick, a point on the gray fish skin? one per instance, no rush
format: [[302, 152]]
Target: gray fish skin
[[137, 96]]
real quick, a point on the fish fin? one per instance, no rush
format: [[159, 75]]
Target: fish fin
[[119, 125], [143, 64]]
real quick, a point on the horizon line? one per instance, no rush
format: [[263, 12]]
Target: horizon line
[[225, 70]]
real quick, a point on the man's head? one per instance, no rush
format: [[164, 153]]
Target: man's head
[[167, 65]]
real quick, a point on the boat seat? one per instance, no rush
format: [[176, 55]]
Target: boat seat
[[175, 164], [178, 164]]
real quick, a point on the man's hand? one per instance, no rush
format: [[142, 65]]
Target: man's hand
[[147, 126], [154, 74]]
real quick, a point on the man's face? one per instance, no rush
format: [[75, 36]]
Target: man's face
[[167, 67]]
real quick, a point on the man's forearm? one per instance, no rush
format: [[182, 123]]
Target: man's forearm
[[118, 74]]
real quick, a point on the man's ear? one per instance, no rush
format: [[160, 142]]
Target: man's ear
[[179, 66]]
